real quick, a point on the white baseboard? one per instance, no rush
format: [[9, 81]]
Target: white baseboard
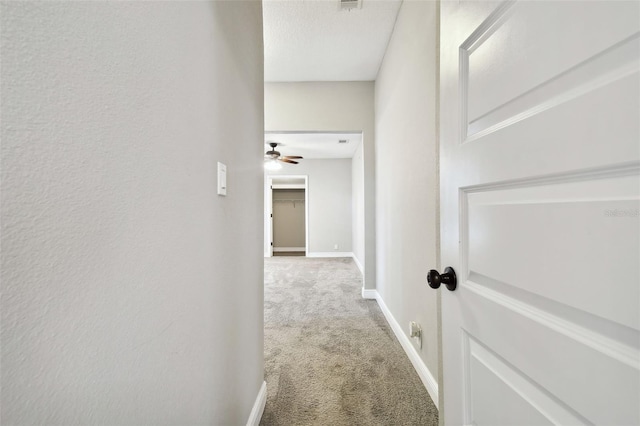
[[369, 293], [277, 249], [429, 382], [258, 406], [330, 254], [358, 264]]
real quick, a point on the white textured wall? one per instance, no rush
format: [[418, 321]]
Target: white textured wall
[[406, 174], [329, 194], [132, 293], [334, 107]]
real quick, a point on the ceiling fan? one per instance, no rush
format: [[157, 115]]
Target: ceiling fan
[[273, 155]]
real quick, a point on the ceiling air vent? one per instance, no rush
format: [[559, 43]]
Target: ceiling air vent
[[350, 4]]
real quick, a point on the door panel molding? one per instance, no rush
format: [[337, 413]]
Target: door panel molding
[[542, 402], [591, 64], [621, 352]]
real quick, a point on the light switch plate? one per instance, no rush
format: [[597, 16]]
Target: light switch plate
[[222, 179]]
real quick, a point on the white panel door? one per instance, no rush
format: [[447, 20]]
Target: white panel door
[[540, 162]]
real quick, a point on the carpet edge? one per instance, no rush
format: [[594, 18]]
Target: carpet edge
[[428, 380]]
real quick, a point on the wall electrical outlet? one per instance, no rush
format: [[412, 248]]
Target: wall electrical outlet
[[415, 332], [335, 247]]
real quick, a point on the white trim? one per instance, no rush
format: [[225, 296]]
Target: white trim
[[277, 249], [429, 382], [358, 264], [268, 217], [330, 254], [258, 406], [368, 293], [289, 186], [268, 199], [306, 213]]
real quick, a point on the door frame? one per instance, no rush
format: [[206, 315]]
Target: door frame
[[268, 209]]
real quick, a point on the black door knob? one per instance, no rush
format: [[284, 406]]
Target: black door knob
[[448, 278]]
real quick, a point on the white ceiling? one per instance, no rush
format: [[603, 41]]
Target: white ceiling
[[312, 40], [315, 145]]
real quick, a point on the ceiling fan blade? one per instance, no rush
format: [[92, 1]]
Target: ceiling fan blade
[[293, 157], [284, 160]]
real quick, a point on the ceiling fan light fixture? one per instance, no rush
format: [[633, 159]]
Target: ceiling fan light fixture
[[272, 165], [273, 158]]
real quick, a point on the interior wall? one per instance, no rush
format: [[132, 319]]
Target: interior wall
[[132, 293], [334, 107], [329, 200], [406, 174]]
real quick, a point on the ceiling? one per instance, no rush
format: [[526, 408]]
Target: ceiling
[[315, 145], [313, 40]]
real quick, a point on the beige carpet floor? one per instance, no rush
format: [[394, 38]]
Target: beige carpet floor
[[330, 356]]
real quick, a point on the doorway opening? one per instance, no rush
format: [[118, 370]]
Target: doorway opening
[[286, 221]]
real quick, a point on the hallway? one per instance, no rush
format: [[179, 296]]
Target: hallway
[[497, 141], [330, 356]]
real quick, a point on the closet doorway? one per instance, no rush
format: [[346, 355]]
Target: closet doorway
[[286, 207]]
